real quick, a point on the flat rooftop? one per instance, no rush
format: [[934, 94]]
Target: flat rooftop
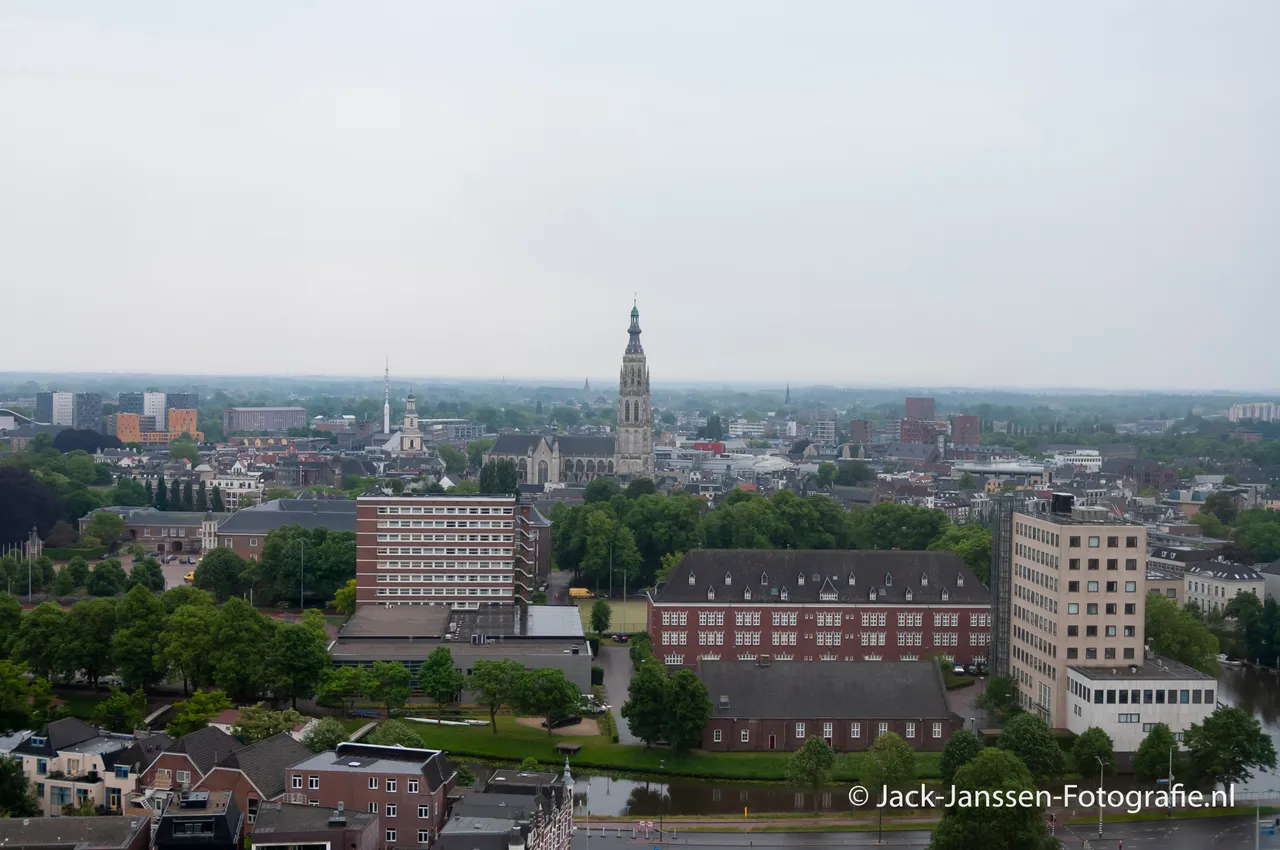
[[1152, 669], [416, 650], [430, 622], [396, 621], [81, 833]]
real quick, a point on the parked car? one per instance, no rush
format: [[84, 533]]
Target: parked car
[[621, 637], [958, 669], [191, 576]]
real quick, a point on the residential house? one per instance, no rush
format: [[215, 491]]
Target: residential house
[[407, 788], [70, 763], [76, 833], [1213, 584], [530, 809], [255, 774], [281, 826], [208, 820], [182, 763]]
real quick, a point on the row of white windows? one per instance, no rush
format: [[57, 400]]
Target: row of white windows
[[829, 618], [873, 618], [828, 638], [676, 659], [428, 550], [746, 618], [411, 578], [446, 565], [391, 785], [824, 618], [828, 731], [450, 511], [444, 591], [784, 618], [444, 523], [444, 538], [946, 619]]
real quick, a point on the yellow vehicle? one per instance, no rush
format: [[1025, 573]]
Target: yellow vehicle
[[580, 593], [191, 576]]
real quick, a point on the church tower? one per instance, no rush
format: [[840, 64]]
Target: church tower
[[410, 436], [635, 421], [386, 398]]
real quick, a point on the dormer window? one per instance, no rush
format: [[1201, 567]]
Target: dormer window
[[764, 579], [872, 595], [945, 596], [784, 594], [692, 581], [924, 581], [960, 581], [746, 594], [728, 579], [800, 580], [908, 594], [888, 580], [711, 593], [851, 580]]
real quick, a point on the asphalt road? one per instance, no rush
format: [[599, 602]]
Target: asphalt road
[[1235, 833], [558, 587], [616, 661]]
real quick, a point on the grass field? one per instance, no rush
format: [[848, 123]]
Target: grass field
[[634, 612], [516, 743]]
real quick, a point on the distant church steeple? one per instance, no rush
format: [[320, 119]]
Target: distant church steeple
[[635, 418], [386, 397], [586, 385], [787, 400]]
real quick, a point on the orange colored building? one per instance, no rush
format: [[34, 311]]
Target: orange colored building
[[182, 421], [129, 428]]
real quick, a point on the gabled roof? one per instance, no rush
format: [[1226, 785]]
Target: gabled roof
[[205, 747], [802, 575], [59, 735], [856, 690], [585, 447], [264, 763], [515, 444], [1224, 571]]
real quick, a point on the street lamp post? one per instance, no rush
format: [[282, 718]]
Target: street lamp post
[[1102, 767], [302, 575], [1171, 749]]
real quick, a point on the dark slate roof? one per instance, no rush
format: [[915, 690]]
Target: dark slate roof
[[81, 833], [854, 690], [143, 752], [292, 818], [515, 444], [264, 518], [1182, 556], [513, 806], [59, 735], [265, 762], [912, 451], [205, 747], [1224, 571], [768, 572], [585, 447]]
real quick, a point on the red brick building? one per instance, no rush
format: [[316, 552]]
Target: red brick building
[[829, 605], [462, 551], [966, 430], [763, 706], [408, 789], [915, 431], [859, 431], [919, 409]]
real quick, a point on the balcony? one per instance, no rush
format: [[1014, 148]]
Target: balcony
[[86, 778]]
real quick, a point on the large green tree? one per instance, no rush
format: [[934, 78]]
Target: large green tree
[[107, 579], [343, 685], [890, 525], [40, 640], [139, 619], [1094, 749], [316, 561], [1000, 698], [1029, 738], [325, 735], [547, 693], [961, 747], [106, 526], [185, 647], [689, 710], [964, 827], [972, 543], [89, 640], [257, 723], [810, 765], [16, 797], [395, 733], [388, 683], [495, 683], [148, 574], [646, 708], [1158, 755], [221, 573], [499, 477], [241, 636], [121, 711], [438, 678], [194, 712], [1229, 746], [1178, 634], [298, 657], [890, 763]]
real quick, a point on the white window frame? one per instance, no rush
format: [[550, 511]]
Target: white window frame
[[745, 736], [413, 786], [390, 785], [799, 731], [313, 783], [715, 736], [373, 783], [424, 811], [391, 836], [297, 780], [391, 810]]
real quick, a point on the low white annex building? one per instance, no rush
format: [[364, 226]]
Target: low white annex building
[[1126, 701]]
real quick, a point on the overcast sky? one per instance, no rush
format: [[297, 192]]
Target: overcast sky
[[936, 194]]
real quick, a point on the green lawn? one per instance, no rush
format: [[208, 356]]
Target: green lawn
[[516, 743], [81, 703], [636, 610]]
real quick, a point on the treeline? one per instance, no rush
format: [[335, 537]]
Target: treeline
[[664, 705], [1255, 533], [294, 561], [643, 533], [145, 638]]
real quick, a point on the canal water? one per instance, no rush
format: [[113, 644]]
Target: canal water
[[1256, 691]]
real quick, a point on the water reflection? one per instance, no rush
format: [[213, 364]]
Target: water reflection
[[1255, 691]]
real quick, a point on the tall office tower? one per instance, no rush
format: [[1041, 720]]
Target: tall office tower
[[1003, 508], [44, 408], [859, 431], [87, 412], [1078, 600], [181, 401], [130, 403], [64, 409], [153, 404], [966, 430]]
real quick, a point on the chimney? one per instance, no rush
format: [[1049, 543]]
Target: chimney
[[339, 817]]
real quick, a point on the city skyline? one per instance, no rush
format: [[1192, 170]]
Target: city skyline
[[926, 196]]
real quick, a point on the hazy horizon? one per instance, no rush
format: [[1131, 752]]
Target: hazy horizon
[[992, 195]]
